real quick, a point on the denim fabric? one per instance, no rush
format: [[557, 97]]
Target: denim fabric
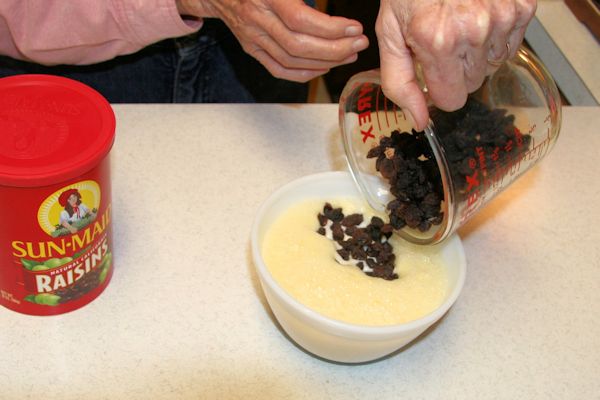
[[207, 67]]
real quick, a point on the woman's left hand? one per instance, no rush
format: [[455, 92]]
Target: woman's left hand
[[292, 40]]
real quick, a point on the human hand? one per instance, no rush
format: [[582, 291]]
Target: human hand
[[292, 40], [454, 41]]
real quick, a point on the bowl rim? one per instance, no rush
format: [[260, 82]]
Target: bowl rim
[[331, 325]]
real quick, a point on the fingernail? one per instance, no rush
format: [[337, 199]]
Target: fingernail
[[353, 30], [360, 44]]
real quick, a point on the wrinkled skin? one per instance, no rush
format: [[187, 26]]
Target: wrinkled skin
[[452, 40], [290, 39]]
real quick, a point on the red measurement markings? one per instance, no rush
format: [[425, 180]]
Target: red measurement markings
[[364, 112], [538, 151], [377, 106], [481, 184], [385, 107], [533, 155]]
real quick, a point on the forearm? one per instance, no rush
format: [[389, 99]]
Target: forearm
[[81, 32]]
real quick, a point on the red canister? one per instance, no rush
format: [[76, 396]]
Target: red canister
[[55, 194]]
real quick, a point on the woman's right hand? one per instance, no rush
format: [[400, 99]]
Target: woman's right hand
[[454, 41], [290, 39]]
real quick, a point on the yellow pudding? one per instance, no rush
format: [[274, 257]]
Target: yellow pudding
[[303, 262]]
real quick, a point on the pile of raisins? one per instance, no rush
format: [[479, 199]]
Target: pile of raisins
[[406, 161], [363, 245]]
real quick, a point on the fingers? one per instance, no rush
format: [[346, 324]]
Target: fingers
[[448, 41], [300, 42], [399, 84], [398, 77], [504, 16], [447, 84], [525, 12], [281, 72], [307, 20], [475, 67], [292, 40], [510, 18], [312, 47], [280, 61], [287, 60], [283, 66]]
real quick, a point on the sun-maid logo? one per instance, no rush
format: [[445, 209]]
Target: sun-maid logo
[[76, 258], [69, 209]]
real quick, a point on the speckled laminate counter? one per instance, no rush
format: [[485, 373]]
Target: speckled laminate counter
[[184, 316]]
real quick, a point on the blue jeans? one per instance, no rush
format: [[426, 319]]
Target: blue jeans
[[207, 67]]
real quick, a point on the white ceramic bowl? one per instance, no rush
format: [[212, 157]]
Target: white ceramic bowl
[[326, 337]]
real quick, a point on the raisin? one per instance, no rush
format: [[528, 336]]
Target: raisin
[[322, 219], [337, 231], [375, 152], [345, 254], [386, 168], [352, 220]]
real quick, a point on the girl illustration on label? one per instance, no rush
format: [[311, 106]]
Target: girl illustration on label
[[76, 214]]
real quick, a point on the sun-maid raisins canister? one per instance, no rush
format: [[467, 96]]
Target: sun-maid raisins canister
[[55, 194]]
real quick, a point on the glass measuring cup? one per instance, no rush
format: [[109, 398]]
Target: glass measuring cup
[[431, 182]]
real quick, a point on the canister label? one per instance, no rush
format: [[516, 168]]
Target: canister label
[[56, 244]]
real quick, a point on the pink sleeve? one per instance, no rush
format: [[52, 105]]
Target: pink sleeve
[[85, 32]]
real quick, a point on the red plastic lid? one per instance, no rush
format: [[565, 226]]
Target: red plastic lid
[[52, 129]]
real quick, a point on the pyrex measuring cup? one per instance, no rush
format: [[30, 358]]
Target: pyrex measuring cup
[[431, 182]]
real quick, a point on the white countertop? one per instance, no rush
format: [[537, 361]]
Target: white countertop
[[184, 316]]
